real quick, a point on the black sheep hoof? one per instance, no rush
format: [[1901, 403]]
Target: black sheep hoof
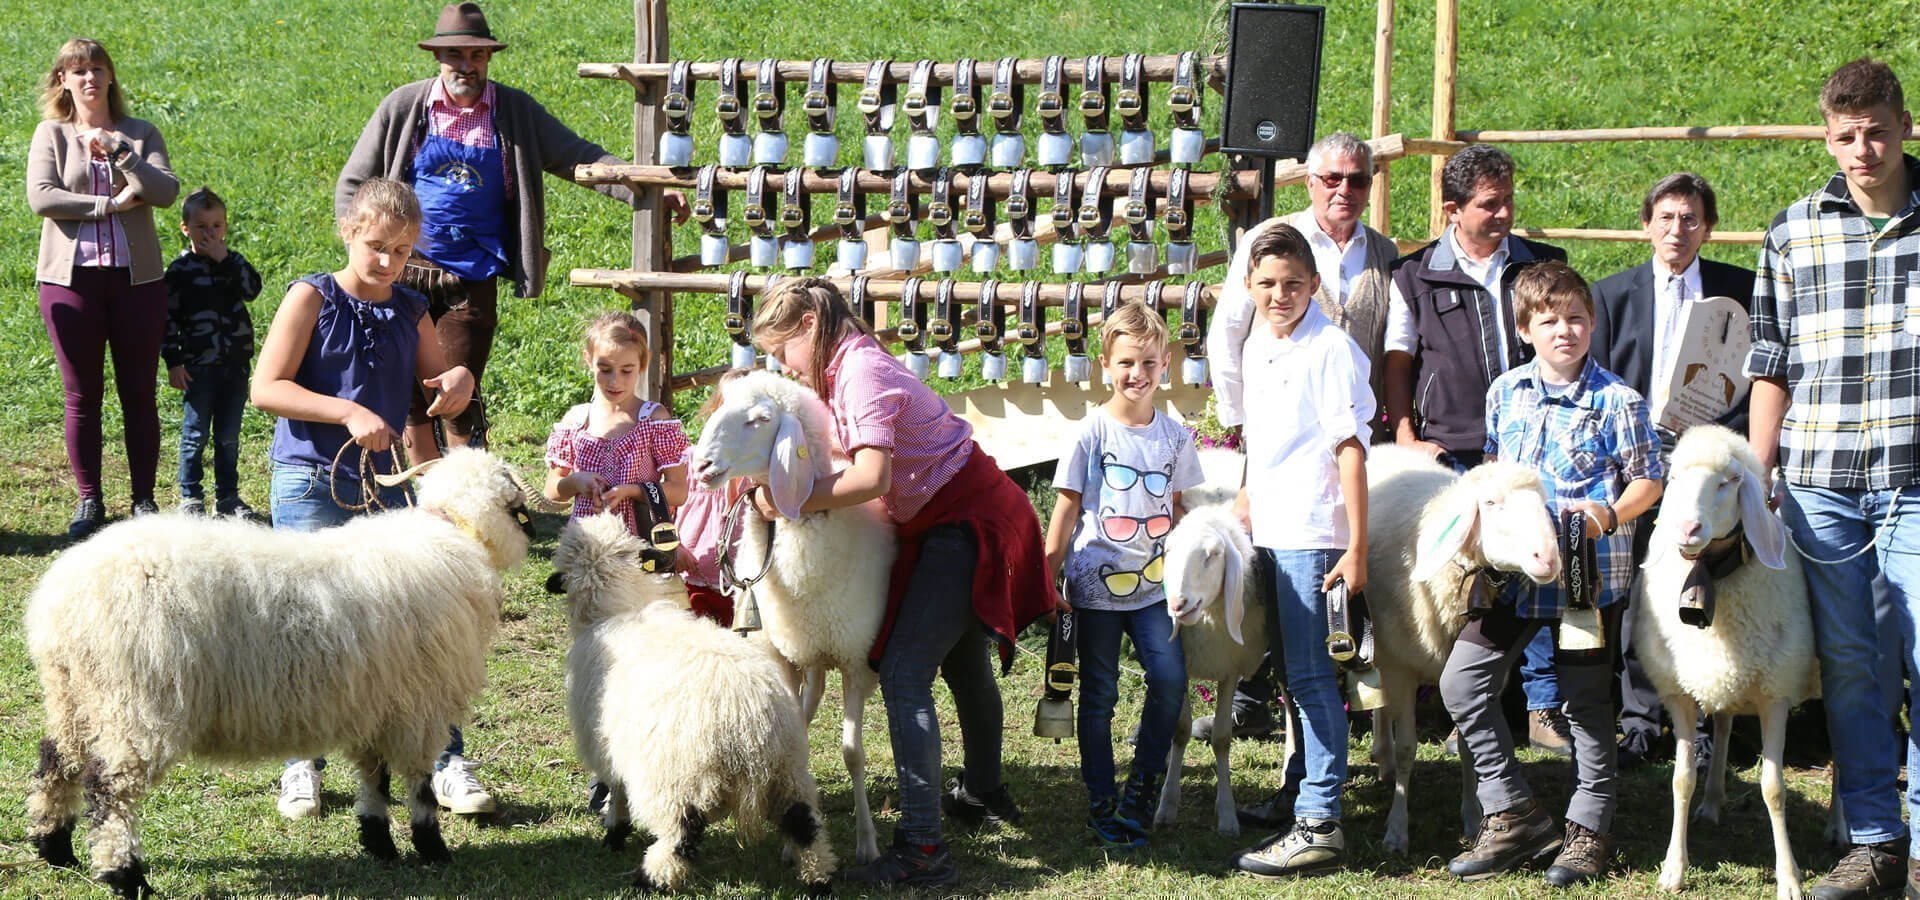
[[430, 845], [129, 881], [643, 884], [820, 889], [56, 847], [616, 838], [376, 837]]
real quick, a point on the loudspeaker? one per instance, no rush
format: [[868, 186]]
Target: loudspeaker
[[1273, 79]]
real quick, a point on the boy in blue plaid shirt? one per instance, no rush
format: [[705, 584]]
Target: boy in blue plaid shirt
[[1589, 436]]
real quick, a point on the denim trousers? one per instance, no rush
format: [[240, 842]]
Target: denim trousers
[[1158, 649], [1297, 620], [216, 398], [1861, 685], [936, 632], [302, 497]]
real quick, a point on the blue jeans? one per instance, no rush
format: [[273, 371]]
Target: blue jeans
[[216, 397], [1860, 685], [303, 501], [1538, 678], [1297, 619], [1166, 667]]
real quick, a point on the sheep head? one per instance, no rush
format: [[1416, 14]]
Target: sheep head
[[477, 488], [598, 565], [766, 426], [1714, 486], [1495, 516], [1206, 561]]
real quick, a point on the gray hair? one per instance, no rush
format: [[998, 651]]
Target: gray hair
[[1340, 143]]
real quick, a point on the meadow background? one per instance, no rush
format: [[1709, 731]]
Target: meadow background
[[263, 100]]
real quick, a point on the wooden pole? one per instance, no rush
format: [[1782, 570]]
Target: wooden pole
[[1377, 203], [1026, 71], [1446, 51], [652, 233], [1669, 133]]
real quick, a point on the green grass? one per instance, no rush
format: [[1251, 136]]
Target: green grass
[[263, 101]]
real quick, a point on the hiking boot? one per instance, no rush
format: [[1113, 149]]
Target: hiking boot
[[1868, 870], [193, 506], [300, 790], [1112, 829], [1583, 857], [906, 864], [1249, 721], [1547, 730], [1508, 838], [1275, 812], [144, 506], [456, 788], [973, 812], [1140, 799], [1913, 879], [236, 508], [1312, 845], [87, 518]]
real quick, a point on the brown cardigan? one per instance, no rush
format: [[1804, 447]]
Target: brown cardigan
[[60, 189]]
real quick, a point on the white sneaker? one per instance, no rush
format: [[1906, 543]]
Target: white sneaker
[[456, 788], [300, 790]]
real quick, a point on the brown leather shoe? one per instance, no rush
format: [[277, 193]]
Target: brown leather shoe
[[1583, 857], [1547, 730], [1507, 839], [1868, 870]]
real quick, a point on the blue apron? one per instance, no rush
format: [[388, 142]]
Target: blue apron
[[463, 198]]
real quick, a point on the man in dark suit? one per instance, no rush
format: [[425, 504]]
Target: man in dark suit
[[1636, 316]]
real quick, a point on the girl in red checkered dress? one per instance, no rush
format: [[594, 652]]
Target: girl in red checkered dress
[[601, 452]]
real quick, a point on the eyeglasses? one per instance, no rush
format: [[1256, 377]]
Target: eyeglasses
[[1122, 477], [1122, 528], [1332, 180], [1126, 584], [1686, 223]]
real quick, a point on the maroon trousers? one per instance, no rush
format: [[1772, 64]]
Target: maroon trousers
[[101, 311]]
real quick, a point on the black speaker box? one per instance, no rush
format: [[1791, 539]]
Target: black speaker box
[[1273, 79]]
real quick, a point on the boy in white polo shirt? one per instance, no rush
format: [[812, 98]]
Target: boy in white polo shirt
[[1305, 501]]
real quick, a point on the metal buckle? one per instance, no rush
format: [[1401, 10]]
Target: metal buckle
[[1017, 206], [869, 102], [815, 103], [1175, 219], [1182, 99], [899, 212], [1341, 647], [765, 105], [974, 220], [664, 537], [1050, 105], [727, 106], [1128, 103], [734, 323], [1135, 212], [1092, 104], [792, 217], [962, 107], [939, 213]]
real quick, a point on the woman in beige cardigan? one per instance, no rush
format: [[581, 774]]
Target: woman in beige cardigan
[[95, 175]]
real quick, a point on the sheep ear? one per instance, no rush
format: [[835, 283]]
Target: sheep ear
[[790, 472], [1443, 546], [1764, 530], [1234, 584]]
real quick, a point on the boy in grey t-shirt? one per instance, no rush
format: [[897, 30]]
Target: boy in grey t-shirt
[[1120, 484]]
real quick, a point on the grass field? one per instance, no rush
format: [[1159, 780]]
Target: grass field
[[263, 100]]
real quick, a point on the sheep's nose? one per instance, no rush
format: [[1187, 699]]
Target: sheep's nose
[[1690, 530]]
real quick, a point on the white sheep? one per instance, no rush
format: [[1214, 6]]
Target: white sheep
[[825, 589], [1756, 656], [685, 722], [170, 636], [1429, 531]]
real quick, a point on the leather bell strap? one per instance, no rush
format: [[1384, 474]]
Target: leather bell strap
[[796, 214], [943, 326], [1193, 319], [1349, 628], [769, 98], [913, 317], [1062, 213], [709, 202], [1008, 99], [730, 105], [1033, 321], [678, 102], [1073, 319], [903, 205], [1019, 208], [1051, 105], [991, 321], [1131, 102], [978, 219], [1697, 592], [861, 300], [849, 205], [922, 104], [1177, 214], [1095, 216], [940, 205], [965, 105], [1580, 556], [1093, 94], [661, 533], [821, 98], [878, 97], [1183, 98], [756, 216], [1110, 298], [1138, 210], [739, 309]]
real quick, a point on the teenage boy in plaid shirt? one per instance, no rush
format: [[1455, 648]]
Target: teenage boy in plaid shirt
[[1836, 335], [1589, 437]]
